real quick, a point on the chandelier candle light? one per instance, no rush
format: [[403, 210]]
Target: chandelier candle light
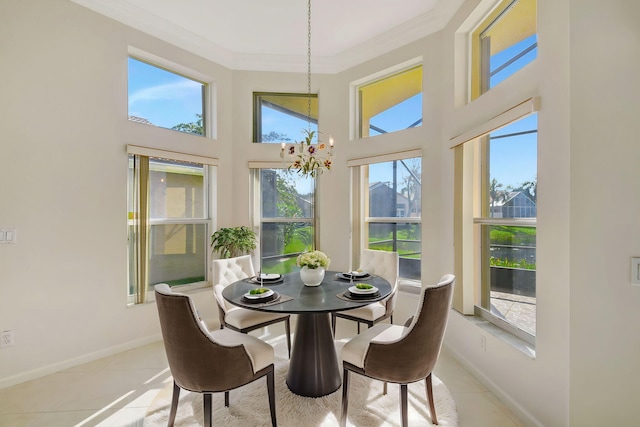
[[310, 159]]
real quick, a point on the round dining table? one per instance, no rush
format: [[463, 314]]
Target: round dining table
[[313, 368]]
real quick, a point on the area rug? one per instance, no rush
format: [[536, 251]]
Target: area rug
[[249, 405]]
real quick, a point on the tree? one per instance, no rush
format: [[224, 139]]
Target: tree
[[496, 193], [192, 127]]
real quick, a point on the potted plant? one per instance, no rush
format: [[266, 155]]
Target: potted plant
[[232, 242], [313, 265]]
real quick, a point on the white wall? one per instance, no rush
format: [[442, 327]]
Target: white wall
[[605, 212], [64, 129], [63, 85]]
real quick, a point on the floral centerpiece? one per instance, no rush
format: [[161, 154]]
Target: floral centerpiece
[[313, 264]]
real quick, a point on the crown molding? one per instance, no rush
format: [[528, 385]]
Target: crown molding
[[401, 35]]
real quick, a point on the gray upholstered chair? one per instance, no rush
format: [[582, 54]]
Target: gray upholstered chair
[[229, 270], [402, 354], [386, 265], [209, 362]]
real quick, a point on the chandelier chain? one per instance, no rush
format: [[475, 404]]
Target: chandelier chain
[[309, 65]]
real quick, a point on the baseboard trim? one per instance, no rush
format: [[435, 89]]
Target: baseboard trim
[[69, 363]]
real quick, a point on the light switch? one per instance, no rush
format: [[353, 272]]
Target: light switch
[[635, 271], [7, 235]]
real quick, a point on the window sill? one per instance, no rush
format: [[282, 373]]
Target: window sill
[[505, 336]]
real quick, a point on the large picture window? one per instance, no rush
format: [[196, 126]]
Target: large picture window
[[287, 218], [168, 223], [166, 99]]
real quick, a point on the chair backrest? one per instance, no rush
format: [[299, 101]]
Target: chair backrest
[[386, 265], [228, 270], [197, 361], [414, 356]]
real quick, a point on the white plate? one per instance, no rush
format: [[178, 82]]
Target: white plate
[[356, 273], [355, 290], [268, 276], [259, 296]]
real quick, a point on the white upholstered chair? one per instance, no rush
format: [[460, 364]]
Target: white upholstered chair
[[229, 270], [402, 354], [386, 265]]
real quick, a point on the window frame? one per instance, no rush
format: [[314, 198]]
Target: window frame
[[209, 166], [360, 202], [257, 113], [209, 90], [471, 215], [355, 110], [256, 169]]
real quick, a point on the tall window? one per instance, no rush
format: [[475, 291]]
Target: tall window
[[391, 103], [168, 223], [503, 43], [281, 117], [503, 163], [166, 99], [391, 211], [287, 218]]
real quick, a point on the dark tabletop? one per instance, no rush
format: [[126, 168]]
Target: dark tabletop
[[306, 299]]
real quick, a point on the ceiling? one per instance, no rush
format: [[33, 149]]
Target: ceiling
[[271, 35]]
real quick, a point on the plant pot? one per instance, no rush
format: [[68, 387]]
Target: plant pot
[[312, 276]]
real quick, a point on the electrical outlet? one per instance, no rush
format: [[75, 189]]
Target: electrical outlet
[[6, 339]]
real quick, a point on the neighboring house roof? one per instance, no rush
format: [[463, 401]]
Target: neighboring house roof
[[510, 196], [140, 120]]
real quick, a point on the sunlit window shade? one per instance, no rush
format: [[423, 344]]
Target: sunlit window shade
[[281, 117], [401, 92]]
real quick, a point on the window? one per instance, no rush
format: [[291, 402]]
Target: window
[[391, 103], [168, 223], [389, 210], [503, 43], [287, 218], [503, 164], [281, 117], [166, 99]]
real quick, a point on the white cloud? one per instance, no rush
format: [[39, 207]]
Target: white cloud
[[177, 90]]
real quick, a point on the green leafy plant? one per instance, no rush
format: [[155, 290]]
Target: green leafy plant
[[233, 241]]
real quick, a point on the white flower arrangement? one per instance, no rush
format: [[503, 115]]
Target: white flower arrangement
[[313, 260]]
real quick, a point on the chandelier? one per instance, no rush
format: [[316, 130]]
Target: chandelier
[[306, 158]]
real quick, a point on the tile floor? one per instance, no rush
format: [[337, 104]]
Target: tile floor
[[117, 390]]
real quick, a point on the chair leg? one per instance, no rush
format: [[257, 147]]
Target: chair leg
[[333, 324], [287, 328], [345, 398], [432, 406], [207, 409], [403, 405], [226, 399], [384, 388], [358, 327], [174, 405], [272, 397]]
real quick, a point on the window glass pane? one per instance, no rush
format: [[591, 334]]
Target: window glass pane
[[512, 275], [504, 43], [161, 98], [513, 170], [177, 253], [282, 117], [285, 196], [394, 191], [391, 104], [176, 190]]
